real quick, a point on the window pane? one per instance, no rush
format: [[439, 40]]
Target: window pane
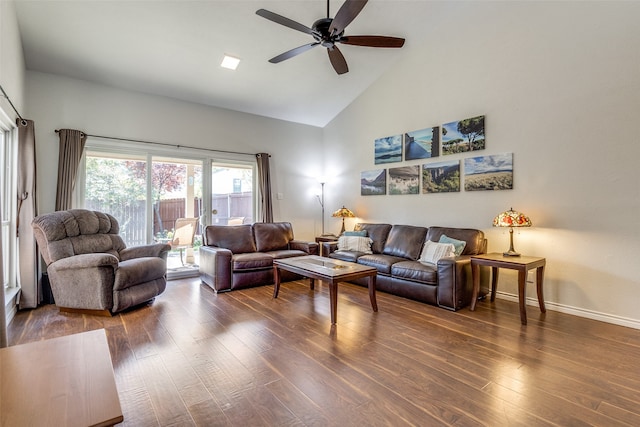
[[117, 186], [232, 194]]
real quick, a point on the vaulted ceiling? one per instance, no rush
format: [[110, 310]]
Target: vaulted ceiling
[[174, 49]]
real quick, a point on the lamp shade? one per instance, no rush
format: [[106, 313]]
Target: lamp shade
[[343, 213], [511, 218]]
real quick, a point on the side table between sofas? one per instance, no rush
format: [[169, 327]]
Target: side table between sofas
[[522, 264]]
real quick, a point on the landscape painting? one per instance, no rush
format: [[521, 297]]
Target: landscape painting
[[388, 149], [404, 180], [489, 172], [441, 177], [373, 183], [422, 144], [462, 136]]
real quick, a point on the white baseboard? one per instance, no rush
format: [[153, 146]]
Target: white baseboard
[[576, 311]]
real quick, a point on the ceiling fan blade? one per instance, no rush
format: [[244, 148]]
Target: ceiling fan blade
[[293, 52], [337, 60], [347, 13], [279, 19], [373, 41]]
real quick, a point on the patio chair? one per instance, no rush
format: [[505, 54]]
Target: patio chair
[[184, 235]]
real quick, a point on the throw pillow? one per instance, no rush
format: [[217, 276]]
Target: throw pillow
[[355, 243], [432, 252], [458, 244], [361, 233]]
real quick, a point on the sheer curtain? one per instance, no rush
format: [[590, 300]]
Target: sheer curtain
[[264, 181], [28, 260], [71, 146]]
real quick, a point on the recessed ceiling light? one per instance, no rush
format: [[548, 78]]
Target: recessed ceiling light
[[230, 62]]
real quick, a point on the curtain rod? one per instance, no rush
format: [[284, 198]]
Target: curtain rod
[[4, 94], [164, 143]]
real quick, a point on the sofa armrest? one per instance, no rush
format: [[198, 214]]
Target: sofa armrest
[[328, 248], [159, 250], [85, 261], [309, 247], [215, 267], [454, 282]]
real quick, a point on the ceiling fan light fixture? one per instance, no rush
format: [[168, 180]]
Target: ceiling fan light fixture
[[230, 62]]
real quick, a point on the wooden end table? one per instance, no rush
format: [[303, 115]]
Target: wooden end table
[[520, 263], [325, 238], [328, 270]]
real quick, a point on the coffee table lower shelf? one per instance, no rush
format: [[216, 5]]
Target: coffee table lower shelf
[[331, 271]]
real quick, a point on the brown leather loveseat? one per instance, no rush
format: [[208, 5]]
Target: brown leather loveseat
[[241, 256], [396, 250]]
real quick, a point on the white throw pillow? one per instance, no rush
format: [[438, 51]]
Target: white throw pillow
[[355, 243], [432, 252]]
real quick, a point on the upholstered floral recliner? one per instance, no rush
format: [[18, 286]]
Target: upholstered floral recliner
[[89, 265]]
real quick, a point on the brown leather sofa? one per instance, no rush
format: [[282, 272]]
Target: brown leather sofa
[[396, 250], [241, 256]]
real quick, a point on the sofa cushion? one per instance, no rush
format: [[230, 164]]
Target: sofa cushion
[[138, 270], [405, 241], [361, 233], [350, 256], [432, 252], [382, 263], [355, 243], [287, 253], [457, 244], [476, 243], [378, 234], [272, 236], [415, 271], [237, 238], [251, 261]]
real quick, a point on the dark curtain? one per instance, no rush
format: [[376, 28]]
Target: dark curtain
[[28, 261], [264, 181], [71, 147]]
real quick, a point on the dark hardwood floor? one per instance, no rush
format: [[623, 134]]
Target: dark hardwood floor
[[242, 358]]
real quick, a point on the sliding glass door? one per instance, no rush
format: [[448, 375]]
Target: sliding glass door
[[164, 195]]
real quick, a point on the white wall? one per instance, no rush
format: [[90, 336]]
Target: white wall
[[12, 67], [559, 83], [57, 102]]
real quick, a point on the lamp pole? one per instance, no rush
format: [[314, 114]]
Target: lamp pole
[[321, 200]]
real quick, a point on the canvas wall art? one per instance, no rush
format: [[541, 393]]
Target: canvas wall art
[[464, 135], [388, 149], [422, 144], [404, 180], [441, 177], [489, 172], [373, 183]]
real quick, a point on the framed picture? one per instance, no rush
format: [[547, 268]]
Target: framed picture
[[388, 149], [404, 180], [441, 177], [489, 172], [422, 144], [373, 183], [462, 136]]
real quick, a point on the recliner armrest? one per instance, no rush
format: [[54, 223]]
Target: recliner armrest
[[215, 267], [309, 247], [85, 261], [153, 250]]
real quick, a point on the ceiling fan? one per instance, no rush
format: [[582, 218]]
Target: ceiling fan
[[328, 32]]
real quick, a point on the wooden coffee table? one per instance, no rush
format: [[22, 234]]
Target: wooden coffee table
[[65, 381], [328, 270]]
